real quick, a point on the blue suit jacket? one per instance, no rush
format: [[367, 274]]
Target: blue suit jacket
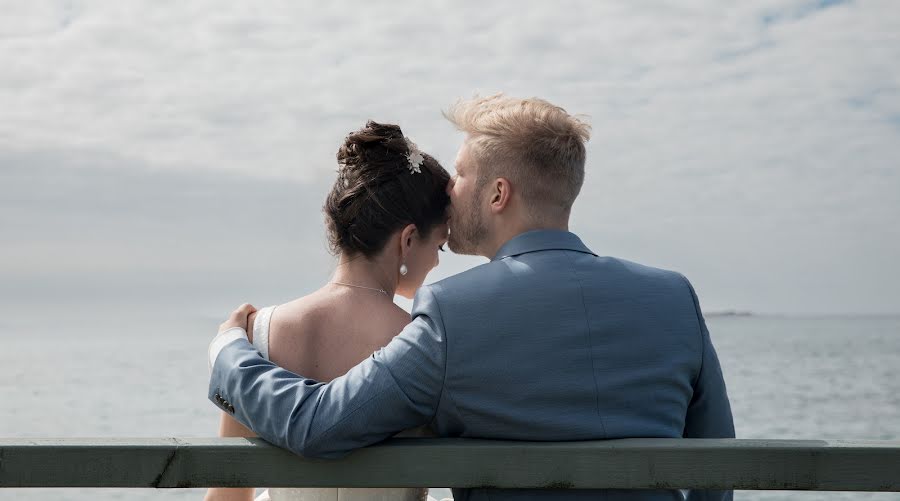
[[548, 341]]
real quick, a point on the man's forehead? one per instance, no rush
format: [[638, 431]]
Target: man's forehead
[[462, 155]]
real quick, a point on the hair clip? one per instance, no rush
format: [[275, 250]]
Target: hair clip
[[414, 156]]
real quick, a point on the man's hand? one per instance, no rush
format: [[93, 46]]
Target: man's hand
[[238, 318], [232, 329]]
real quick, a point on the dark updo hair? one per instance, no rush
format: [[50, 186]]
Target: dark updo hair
[[376, 194]]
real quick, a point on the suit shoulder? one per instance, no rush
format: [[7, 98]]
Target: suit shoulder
[[466, 281], [635, 268]]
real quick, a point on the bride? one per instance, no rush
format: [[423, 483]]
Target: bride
[[386, 221]]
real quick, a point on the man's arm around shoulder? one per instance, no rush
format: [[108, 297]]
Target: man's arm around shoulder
[[396, 388]]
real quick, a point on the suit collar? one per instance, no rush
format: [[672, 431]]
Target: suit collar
[[541, 240]]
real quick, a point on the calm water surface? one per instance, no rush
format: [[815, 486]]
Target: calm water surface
[[802, 378]]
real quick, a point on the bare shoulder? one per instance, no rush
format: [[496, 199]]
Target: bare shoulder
[[400, 317], [397, 319], [302, 312], [325, 318]]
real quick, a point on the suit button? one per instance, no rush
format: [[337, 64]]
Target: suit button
[[217, 397], [231, 409]]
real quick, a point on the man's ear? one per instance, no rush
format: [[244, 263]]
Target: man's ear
[[501, 194]]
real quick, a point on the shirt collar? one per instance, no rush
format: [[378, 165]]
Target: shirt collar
[[541, 240]]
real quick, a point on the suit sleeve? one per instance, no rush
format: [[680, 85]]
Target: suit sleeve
[[396, 388], [709, 413]]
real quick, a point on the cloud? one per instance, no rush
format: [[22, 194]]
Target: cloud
[[799, 10], [752, 147]]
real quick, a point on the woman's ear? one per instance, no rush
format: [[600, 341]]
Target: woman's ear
[[406, 239]]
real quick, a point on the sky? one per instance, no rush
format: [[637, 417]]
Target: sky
[[172, 157]]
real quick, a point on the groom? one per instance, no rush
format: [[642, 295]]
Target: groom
[[547, 341]]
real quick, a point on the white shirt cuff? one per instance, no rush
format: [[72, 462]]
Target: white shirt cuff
[[219, 342]]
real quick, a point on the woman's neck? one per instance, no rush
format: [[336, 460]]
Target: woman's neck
[[366, 273]]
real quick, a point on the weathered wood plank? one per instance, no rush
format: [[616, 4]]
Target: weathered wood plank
[[630, 463]]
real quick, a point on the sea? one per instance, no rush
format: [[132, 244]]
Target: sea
[[788, 377]]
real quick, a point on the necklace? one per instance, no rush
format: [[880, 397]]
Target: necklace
[[362, 287]]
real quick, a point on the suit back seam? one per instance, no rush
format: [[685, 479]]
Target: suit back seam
[[590, 344]]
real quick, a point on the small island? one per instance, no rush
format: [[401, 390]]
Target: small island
[[729, 313]]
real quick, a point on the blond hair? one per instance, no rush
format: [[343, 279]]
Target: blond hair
[[535, 144]]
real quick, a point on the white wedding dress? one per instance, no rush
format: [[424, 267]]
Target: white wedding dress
[[261, 342]]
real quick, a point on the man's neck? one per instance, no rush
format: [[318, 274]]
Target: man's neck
[[507, 232]]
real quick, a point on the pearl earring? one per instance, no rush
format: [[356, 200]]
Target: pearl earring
[[403, 269]]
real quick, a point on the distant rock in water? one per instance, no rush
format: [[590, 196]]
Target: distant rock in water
[[729, 313]]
